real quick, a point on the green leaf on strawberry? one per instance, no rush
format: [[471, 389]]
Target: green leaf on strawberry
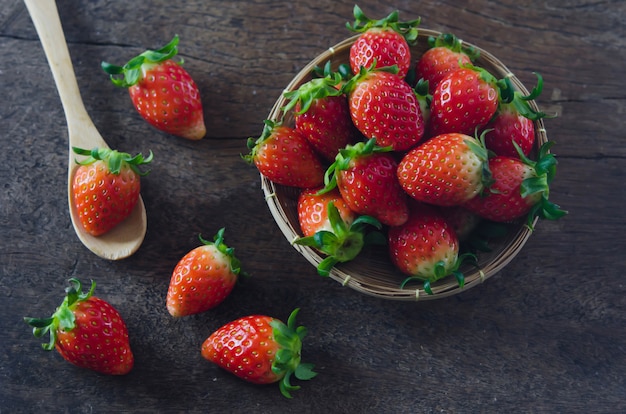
[[343, 243], [362, 23]]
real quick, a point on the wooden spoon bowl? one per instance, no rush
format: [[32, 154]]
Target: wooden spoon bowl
[[125, 238]]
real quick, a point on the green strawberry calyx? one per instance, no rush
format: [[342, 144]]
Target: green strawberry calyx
[[114, 159], [450, 41], [254, 144], [344, 242], [218, 242], [287, 361], [513, 100], [362, 23], [544, 169], [132, 72], [441, 271], [346, 156], [308, 92], [63, 318]]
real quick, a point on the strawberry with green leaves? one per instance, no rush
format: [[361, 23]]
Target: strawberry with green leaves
[[514, 121], [384, 42], [321, 113], [426, 248], [385, 107], [105, 187], [162, 91], [203, 278], [465, 100], [261, 349], [446, 170], [520, 188], [365, 175], [284, 156], [330, 226], [87, 332], [446, 54]]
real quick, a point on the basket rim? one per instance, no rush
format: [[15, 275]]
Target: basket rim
[[442, 288]]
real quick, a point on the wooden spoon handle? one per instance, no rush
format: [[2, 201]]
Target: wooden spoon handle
[[45, 17]]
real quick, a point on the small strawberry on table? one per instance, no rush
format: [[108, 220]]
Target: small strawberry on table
[[162, 91], [203, 278], [87, 332], [261, 349]]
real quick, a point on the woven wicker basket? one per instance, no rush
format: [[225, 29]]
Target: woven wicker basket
[[372, 273]]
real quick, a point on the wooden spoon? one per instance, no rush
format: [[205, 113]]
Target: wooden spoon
[[125, 238]]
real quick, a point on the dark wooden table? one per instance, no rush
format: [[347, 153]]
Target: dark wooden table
[[547, 334]]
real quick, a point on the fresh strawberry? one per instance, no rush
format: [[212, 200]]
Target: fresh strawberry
[[203, 278], [331, 227], [385, 107], [260, 349], [425, 247], [382, 42], [322, 115], [366, 177], [284, 156], [446, 54], [446, 170], [313, 212], [514, 121], [464, 101], [462, 221], [162, 91], [105, 188], [520, 187], [87, 331]]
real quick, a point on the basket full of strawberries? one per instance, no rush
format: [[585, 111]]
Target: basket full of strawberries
[[405, 163]]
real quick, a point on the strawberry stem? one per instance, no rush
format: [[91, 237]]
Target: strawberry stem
[[288, 357], [131, 72], [114, 159], [63, 317], [343, 243], [362, 23]]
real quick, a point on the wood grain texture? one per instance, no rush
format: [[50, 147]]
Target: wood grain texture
[[544, 335]]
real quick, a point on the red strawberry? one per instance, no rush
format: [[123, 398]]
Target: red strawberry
[[313, 212], [385, 107], [446, 54], [464, 100], [425, 247], [520, 187], [383, 42], [462, 221], [87, 331], [446, 170], [514, 121], [260, 349], [203, 278], [322, 115], [106, 187], [330, 226], [284, 156], [510, 126], [162, 91], [366, 177]]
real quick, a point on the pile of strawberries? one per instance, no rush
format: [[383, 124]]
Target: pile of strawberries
[[408, 151]]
